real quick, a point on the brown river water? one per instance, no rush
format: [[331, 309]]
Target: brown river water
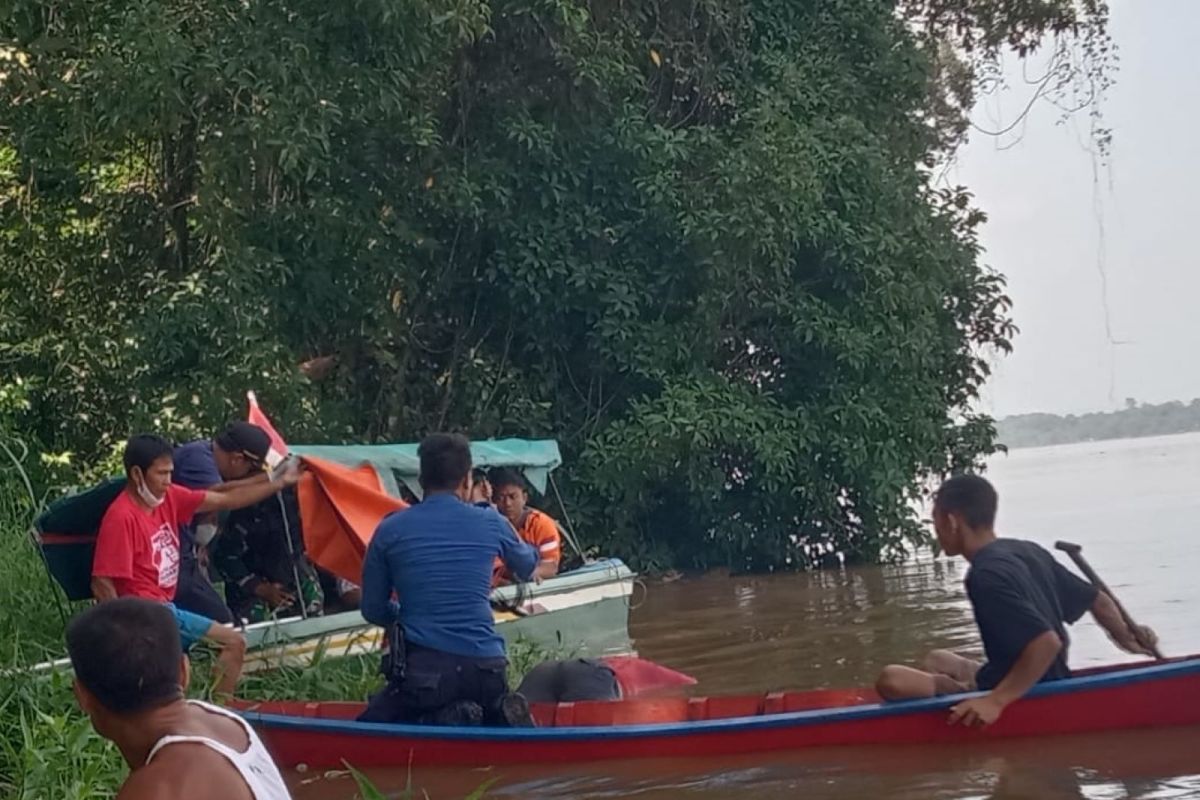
[[1133, 505]]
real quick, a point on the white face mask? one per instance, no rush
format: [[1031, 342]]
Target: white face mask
[[148, 497]]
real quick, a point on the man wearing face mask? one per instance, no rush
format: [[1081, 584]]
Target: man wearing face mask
[[233, 458], [137, 547]]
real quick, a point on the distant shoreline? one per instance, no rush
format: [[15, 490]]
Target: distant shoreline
[[1135, 421]]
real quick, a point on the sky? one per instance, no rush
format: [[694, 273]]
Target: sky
[[1052, 228]]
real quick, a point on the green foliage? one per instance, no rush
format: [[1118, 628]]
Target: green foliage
[[1147, 419], [698, 242], [31, 627], [350, 678], [47, 748], [367, 790]]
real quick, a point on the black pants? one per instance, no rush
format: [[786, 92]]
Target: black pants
[[195, 594], [434, 681], [570, 681]]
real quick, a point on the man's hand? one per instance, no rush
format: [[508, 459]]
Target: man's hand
[[976, 712], [1139, 640], [248, 493], [290, 475], [273, 593], [103, 589]]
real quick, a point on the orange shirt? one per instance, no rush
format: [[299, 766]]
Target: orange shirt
[[541, 531]]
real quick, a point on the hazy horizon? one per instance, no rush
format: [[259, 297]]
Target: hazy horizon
[[1049, 215]]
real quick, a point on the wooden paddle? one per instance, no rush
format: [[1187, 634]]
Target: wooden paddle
[[1076, 553]]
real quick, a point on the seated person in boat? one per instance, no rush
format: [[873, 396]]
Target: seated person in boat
[[1022, 599], [232, 458], [534, 527], [481, 489], [137, 547], [446, 662], [260, 554], [130, 677], [340, 594]]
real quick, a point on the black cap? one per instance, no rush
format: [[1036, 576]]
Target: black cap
[[242, 437]]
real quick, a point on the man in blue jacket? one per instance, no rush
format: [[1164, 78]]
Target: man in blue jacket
[[429, 567]]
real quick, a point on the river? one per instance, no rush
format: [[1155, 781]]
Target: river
[[1133, 505]]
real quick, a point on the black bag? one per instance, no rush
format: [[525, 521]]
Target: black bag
[[391, 666]]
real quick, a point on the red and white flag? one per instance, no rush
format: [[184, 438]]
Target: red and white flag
[[279, 448]]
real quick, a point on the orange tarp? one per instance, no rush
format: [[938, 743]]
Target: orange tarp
[[340, 509]]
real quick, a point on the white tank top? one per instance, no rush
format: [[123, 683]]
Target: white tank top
[[254, 764]]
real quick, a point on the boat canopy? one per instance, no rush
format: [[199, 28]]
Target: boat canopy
[[398, 463]]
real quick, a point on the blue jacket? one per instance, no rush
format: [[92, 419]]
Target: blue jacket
[[438, 556]]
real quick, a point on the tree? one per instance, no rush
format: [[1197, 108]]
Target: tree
[[698, 241]]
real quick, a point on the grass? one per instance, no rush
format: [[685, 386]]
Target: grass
[[31, 628], [49, 749]]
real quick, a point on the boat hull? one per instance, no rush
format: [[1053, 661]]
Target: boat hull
[[584, 612], [322, 735]]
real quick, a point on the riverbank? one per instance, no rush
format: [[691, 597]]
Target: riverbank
[[1135, 421]]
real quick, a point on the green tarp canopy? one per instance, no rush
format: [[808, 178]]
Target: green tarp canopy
[[399, 462]]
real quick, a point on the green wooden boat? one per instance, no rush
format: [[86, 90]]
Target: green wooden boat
[[582, 612]]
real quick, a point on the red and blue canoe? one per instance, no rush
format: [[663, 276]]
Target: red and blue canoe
[[321, 735]]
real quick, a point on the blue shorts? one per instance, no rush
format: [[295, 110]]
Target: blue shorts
[[192, 627]]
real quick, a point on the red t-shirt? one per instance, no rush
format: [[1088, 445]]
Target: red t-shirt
[[139, 548]]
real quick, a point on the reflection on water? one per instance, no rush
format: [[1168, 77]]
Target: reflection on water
[[1133, 505], [1140, 765]]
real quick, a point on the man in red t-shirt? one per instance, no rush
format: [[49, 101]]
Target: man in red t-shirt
[[137, 548]]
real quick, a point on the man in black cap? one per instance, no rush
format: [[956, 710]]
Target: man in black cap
[[235, 457]]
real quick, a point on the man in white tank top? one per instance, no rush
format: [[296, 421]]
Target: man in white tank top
[[130, 675]]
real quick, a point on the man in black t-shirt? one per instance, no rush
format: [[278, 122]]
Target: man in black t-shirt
[[1022, 598]]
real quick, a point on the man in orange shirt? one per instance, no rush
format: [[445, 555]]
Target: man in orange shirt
[[533, 526]]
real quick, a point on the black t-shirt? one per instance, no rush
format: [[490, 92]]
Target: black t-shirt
[[1019, 591]]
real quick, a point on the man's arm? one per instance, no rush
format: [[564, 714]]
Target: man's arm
[[103, 589], [549, 547], [520, 558], [377, 606], [259, 477], [1032, 664], [247, 494], [1109, 617]]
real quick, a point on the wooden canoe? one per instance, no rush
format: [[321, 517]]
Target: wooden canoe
[[323, 735]]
